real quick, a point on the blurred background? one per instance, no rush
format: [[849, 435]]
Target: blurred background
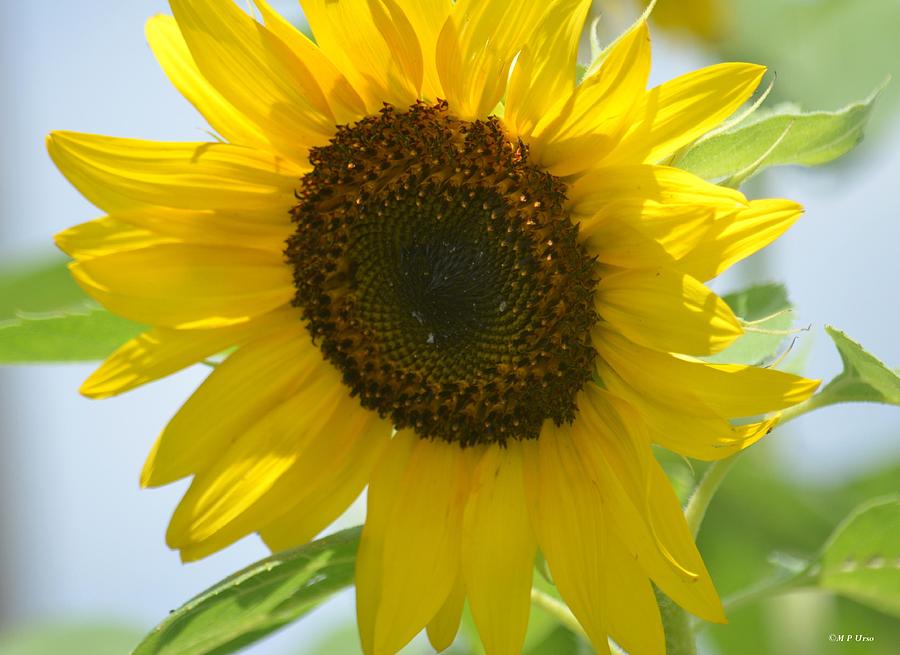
[[83, 564]]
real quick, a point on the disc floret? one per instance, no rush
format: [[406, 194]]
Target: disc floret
[[437, 269]]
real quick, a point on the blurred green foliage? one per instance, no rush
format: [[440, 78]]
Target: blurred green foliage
[[761, 508], [767, 307], [823, 51], [862, 558], [69, 639]]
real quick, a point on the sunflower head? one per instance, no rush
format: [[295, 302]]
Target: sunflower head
[[437, 268], [441, 266]]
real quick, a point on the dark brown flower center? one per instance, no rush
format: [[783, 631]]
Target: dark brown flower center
[[438, 270]]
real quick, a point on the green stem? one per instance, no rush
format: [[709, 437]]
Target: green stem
[[557, 610], [808, 405], [717, 471], [774, 586], [765, 589], [680, 639], [563, 614], [703, 494]]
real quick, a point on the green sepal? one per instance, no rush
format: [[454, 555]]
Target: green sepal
[[767, 316], [864, 378]]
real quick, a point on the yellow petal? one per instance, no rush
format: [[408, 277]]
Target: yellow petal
[[126, 174], [606, 428], [544, 72], [701, 434], [628, 190], [640, 216], [659, 236], [427, 18], [498, 551], [251, 229], [163, 351], [671, 529], [685, 579], [256, 378], [573, 137], [408, 561], [178, 64], [634, 620], [187, 285], [257, 73], [295, 473], [373, 43], [731, 390], [246, 470], [568, 515], [612, 444], [749, 433], [345, 102], [621, 244], [321, 493], [281, 457], [443, 627], [422, 543], [666, 310], [680, 111], [739, 235], [158, 225], [476, 48], [105, 236], [384, 490]]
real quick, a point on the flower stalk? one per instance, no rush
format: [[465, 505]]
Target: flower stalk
[[695, 511], [558, 610], [680, 638]]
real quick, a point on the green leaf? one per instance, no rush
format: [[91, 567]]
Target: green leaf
[[255, 602], [861, 559], [43, 286], [864, 378], [767, 314], [75, 335], [46, 317], [784, 135]]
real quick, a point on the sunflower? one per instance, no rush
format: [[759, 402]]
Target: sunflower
[[442, 267]]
